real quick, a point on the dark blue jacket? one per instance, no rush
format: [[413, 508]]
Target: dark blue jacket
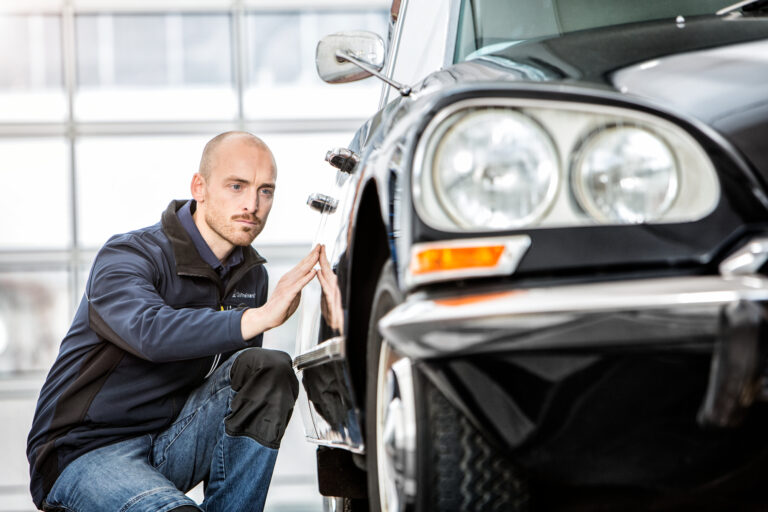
[[149, 329]]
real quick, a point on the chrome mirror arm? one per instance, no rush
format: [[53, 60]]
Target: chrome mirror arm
[[404, 90], [738, 5]]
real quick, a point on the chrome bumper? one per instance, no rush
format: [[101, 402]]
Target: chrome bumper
[[721, 314], [666, 310]]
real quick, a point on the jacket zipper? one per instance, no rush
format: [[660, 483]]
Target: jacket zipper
[[222, 292], [216, 358]]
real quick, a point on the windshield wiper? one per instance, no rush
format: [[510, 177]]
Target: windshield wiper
[[754, 4]]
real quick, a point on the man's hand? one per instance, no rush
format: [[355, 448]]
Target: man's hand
[[284, 299], [331, 302]]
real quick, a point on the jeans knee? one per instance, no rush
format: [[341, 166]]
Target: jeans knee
[[268, 368], [265, 388]]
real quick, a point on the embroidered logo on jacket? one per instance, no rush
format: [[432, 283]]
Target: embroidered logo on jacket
[[237, 294]]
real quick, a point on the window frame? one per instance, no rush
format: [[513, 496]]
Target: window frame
[[75, 258]]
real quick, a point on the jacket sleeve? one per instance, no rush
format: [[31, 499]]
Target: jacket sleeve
[[125, 308]]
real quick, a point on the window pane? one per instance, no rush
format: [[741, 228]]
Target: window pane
[[119, 194], [125, 183], [34, 316], [36, 205], [207, 56], [302, 170], [140, 50], [275, 51], [154, 66], [31, 84], [281, 78]]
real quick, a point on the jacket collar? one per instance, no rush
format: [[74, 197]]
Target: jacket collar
[[188, 260]]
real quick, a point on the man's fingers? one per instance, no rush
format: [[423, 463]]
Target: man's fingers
[[302, 269], [322, 279], [328, 285], [324, 259], [287, 294], [294, 305], [311, 258], [295, 285], [325, 267], [325, 271], [306, 279], [305, 265], [290, 285]]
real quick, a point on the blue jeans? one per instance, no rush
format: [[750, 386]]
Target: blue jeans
[[151, 473]]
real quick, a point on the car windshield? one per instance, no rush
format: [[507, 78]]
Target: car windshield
[[487, 26]]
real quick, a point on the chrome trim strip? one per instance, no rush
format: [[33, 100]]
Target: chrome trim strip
[[327, 363], [393, 52], [746, 260], [453, 30], [336, 444], [330, 350], [733, 7], [521, 318], [515, 248]]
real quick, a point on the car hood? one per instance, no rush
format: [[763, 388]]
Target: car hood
[[712, 68]]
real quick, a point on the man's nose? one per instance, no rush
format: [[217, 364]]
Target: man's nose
[[252, 202]]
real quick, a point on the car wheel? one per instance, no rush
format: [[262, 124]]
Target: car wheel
[[465, 473], [385, 486], [422, 453], [337, 504]]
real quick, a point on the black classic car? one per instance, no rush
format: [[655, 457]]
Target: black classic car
[[544, 281]]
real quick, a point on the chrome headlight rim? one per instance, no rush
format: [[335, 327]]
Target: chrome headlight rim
[[450, 121], [695, 165], [434, 214], [577, 186]]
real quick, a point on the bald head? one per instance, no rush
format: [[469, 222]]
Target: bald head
[[233, 191], [219, 145]]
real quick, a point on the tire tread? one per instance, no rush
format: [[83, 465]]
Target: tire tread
[[468, 475]]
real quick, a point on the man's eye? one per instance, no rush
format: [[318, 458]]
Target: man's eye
[[236, 187], [267, 192]]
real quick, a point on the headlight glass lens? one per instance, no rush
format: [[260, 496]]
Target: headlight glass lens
[[488, 164], [494, 168], [625, 174]]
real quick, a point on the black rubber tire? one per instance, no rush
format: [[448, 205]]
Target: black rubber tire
[[346, 505], [458, 471], [464, 472], [386, 297]]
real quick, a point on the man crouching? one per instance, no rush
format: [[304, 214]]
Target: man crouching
[[160, 382]]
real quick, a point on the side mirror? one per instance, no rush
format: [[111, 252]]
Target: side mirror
[[364, 46]]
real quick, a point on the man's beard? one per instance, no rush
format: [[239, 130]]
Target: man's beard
[[238, 235]]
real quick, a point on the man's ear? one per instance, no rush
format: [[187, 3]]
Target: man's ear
[[197, 187]]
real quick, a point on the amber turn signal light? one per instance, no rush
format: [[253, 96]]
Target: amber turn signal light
[[441, 259]]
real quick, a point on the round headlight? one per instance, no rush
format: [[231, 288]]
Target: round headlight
[[494, 168], [625, 174]]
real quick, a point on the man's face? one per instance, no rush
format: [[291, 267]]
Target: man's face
[[237, 196]]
